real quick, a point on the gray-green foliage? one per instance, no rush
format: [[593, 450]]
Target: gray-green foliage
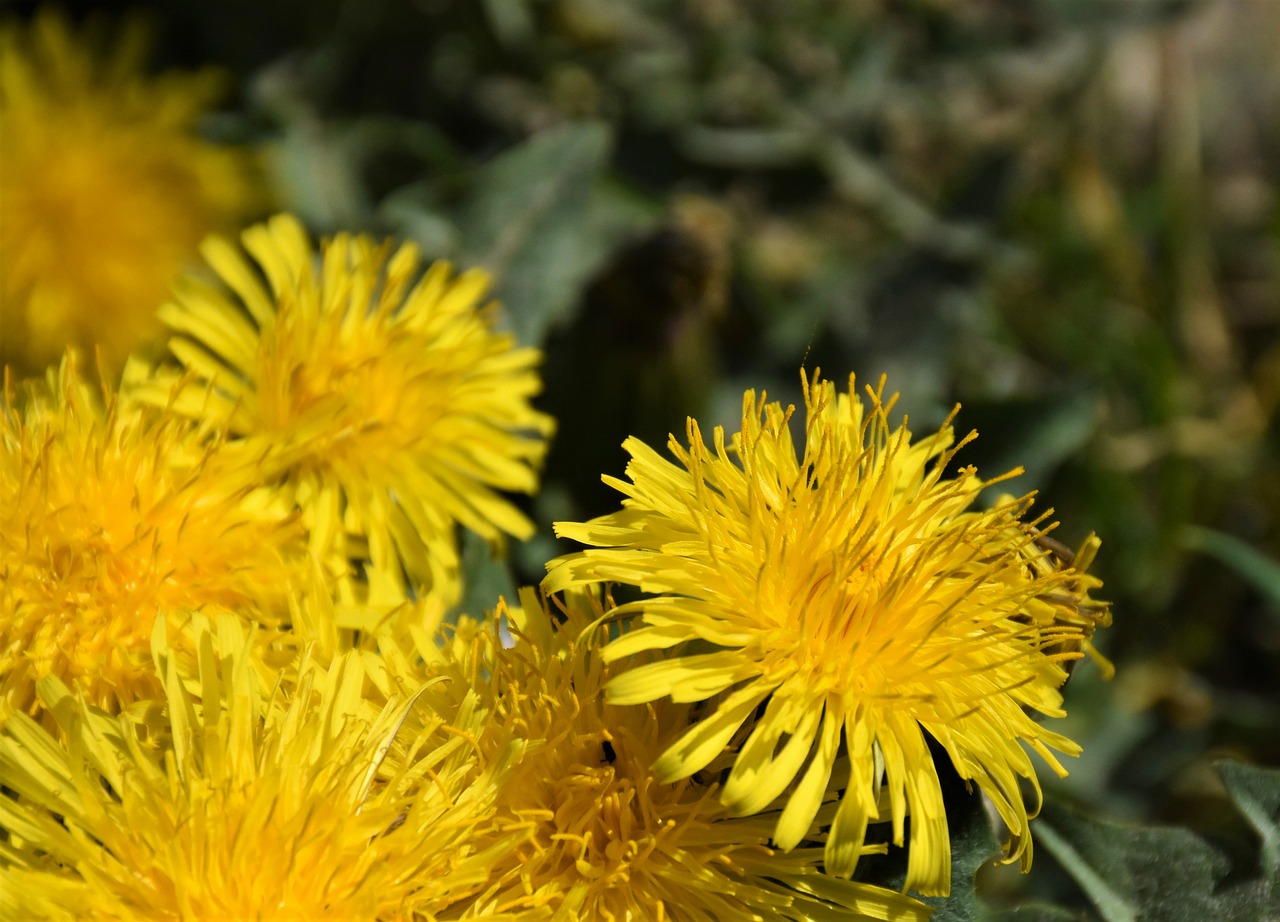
[[1133, 873], [527, 223], [1173, 874], [1252, 565]]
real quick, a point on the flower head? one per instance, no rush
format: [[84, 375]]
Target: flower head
[[605, 839], [284, 805], [105, 190], [385, 399], [108, 515], [836, 610]]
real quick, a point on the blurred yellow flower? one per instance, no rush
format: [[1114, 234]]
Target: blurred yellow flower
[[107, 515], [836, 611], [266, 804], [105, 190], [603, 838], [383, 397]]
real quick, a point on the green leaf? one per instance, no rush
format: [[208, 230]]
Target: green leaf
[[1032, 912], [485, 577], [527, 224], [973, 844], [1075, 840], [1252, 565], [316, 175], [1169, 874], [1256, 793]]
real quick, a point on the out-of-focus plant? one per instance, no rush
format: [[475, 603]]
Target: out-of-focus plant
[[105, 190]]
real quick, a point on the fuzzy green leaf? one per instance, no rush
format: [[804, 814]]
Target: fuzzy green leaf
[[1168, 874], [1256, 793], [973, 844], [527, 224]]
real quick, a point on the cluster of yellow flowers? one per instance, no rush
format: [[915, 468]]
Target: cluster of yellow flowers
[[230, 687]]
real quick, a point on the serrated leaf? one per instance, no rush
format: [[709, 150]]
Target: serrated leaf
[[526, 224]]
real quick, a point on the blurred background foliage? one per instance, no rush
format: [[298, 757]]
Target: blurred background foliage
[[1063, 214]]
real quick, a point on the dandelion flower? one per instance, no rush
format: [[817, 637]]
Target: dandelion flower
[[105, 190], [836, 610], [280, 806], [389, 403], [606, 840], [108, 515]]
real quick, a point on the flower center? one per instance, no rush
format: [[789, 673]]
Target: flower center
[[356, 402], [598, 824]]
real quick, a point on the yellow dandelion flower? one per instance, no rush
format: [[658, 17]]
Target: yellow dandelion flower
[[385, 398], [606, 841], [1070, 585], [398, 639], [105, 190], [264, 805], [836, 611], [108, 515]]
